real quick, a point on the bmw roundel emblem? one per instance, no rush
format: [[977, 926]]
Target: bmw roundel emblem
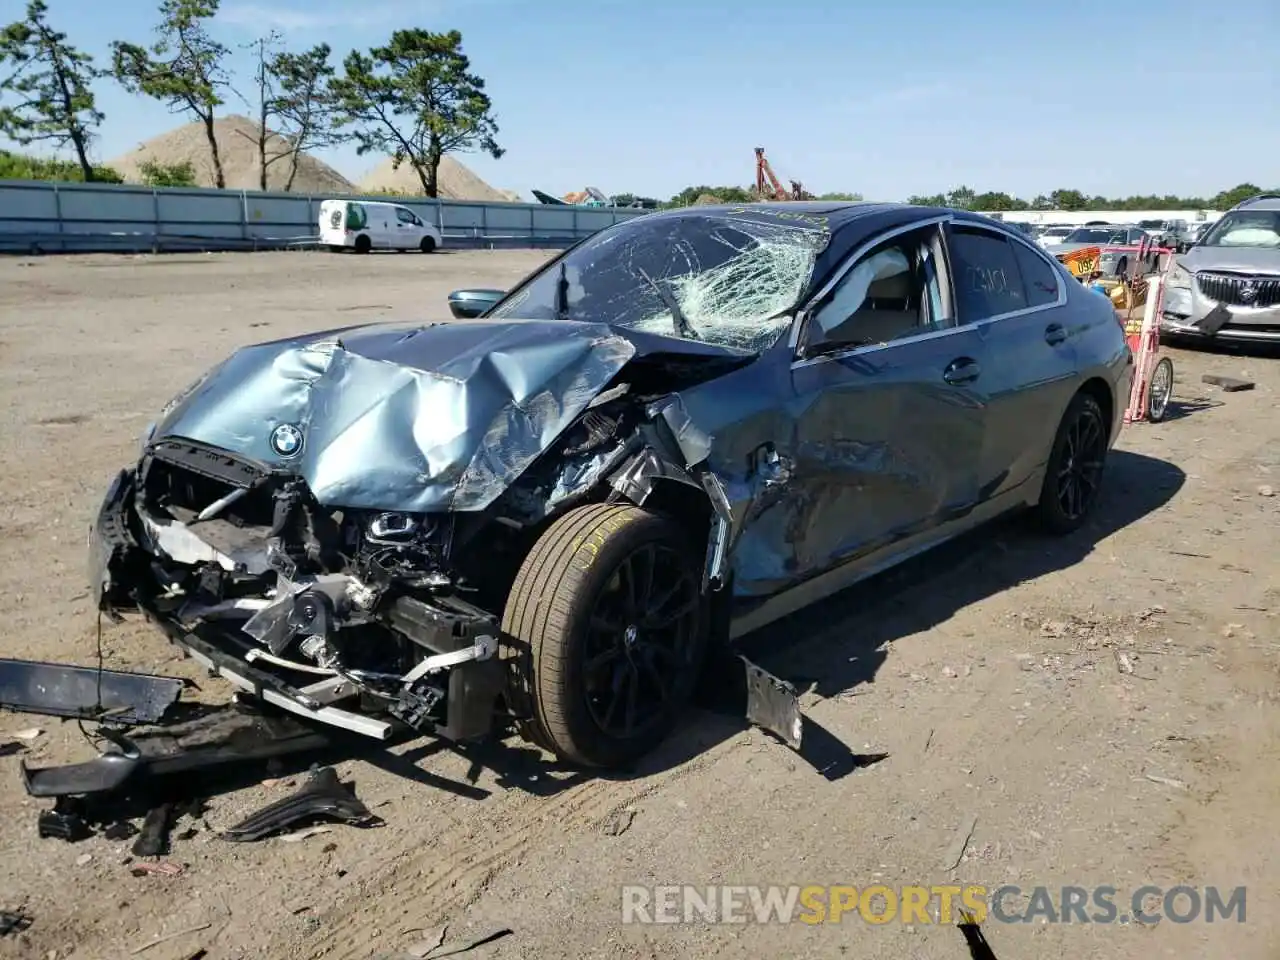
[[286, 440]]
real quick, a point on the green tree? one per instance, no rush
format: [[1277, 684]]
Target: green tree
[[838, 197], [995, 201], [182, 69], [293, 103], [303, 103], [50, 83], [928, 200], [1229, 198], [1067, 200], [263, 82], [19, 166], [415, 99], [167, 174], [961, 198]]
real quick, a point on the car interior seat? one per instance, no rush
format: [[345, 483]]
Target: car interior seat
[[887, 312]]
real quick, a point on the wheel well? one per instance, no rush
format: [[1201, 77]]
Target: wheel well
[[687, 505], [1097, 388], [691, 509]]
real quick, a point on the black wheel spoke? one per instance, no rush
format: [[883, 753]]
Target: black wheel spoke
[[673, 617], [600, 661], [633, 700], [1079, 471], [636, 641]]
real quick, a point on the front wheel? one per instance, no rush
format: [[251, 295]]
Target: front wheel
[[603, 634], [427, 245], [1073, 476], [1160, 390]]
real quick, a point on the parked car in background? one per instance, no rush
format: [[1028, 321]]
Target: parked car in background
[[1195, 231], [1054, 233], [1167, 233], [1120, 247], [1227, 286], [364, 225], [687, 426]]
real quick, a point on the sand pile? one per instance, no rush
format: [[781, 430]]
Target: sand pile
[[454, 182], [237, 138]]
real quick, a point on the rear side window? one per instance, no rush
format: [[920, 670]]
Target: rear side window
[[985, 272], [1039, 279]]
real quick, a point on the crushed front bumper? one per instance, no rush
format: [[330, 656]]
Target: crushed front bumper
[[460, 641], [1187, 312]]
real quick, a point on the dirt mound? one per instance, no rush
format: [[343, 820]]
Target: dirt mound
[[707, 199], [455, 182], [237, 138]]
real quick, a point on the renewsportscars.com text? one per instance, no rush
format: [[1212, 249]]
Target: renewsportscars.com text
[[918, 904]]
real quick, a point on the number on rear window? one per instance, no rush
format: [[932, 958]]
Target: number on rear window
[[1038, 277], [985, 273]]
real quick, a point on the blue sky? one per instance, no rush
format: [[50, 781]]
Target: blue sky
[[887, 99]]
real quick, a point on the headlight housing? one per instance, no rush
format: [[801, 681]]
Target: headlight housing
[[1179, 278]]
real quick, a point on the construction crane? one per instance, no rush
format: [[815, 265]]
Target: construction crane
[[774, 190]]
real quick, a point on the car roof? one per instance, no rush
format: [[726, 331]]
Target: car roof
[[1263, 201]]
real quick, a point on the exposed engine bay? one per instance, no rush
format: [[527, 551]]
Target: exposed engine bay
[[364, 618]]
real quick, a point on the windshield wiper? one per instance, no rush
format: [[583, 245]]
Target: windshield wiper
[[678, 320], [562, 293]]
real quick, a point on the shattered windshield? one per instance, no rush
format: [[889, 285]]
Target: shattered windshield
[[726, 277]]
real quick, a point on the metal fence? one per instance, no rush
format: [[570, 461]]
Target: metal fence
[[37, 217]]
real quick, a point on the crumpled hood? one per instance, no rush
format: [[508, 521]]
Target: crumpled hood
[[1239, 259], [400, 417]]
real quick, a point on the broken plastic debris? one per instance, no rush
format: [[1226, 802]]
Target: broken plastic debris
[[323, 796], [13, 921]]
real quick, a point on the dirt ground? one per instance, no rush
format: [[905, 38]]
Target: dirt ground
[[1023, 690]]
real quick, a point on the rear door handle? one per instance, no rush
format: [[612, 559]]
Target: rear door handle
[[1054, 334], [962, 370]]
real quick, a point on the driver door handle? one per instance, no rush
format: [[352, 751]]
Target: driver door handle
[[961, 370], [1054, 334]]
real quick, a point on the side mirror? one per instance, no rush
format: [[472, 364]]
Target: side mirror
[[466, 304]]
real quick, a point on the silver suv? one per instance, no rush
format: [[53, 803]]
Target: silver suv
[[1227, 287]]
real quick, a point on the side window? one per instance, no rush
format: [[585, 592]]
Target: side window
[[893, 291], [404, 216], [985, 273], [1039, 279]]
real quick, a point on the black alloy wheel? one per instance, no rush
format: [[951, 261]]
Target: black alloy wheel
[[639, 637], [1073, 475]]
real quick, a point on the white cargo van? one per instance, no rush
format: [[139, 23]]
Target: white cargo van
[[365, 225]]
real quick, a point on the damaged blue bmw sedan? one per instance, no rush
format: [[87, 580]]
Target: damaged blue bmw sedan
[[545, 512]]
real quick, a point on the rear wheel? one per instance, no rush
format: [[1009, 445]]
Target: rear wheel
[[428, 244], [1160, 390], [363, 244], [1073, 476], [604, 633]]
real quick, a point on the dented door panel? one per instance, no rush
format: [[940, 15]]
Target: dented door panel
[[885, 447]]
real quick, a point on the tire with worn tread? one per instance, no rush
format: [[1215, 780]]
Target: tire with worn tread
[[1050, 511], [544, 630]]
